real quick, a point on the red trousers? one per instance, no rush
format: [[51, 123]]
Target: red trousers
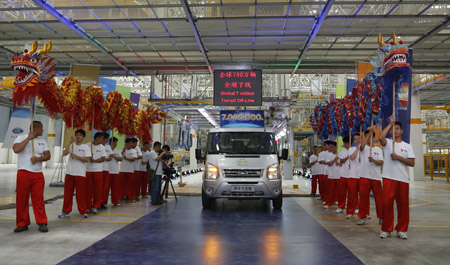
[[138, 182], [144, 183], [94, 189], [365, 185], [332, 186], [323, 187], [393, 189], [342, 192], [314, 180], [70, 184], [121, 192], [130, 184], [106, 187], [352, 200], [116, 185], [30, 183]]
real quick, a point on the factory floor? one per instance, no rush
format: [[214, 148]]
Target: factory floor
[[234, 232]]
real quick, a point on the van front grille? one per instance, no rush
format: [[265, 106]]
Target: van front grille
[[242, 173]]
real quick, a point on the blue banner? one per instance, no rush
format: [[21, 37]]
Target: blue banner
[[107, 85], [350, 84], [242, 118]]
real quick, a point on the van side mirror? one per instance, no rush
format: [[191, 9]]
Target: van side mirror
[[284, 154], [198, 154]]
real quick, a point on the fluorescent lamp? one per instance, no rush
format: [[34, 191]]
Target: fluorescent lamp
[[208, 117]]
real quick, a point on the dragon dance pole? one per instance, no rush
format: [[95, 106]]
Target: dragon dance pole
[[32, 126], [393, 113], [371, 138]]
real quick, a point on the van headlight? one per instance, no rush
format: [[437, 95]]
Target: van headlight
[[212, 172], [272, 172]]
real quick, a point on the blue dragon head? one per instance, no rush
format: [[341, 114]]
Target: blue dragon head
[[389, 56]]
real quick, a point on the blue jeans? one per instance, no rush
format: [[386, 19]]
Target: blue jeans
[[156, 189]]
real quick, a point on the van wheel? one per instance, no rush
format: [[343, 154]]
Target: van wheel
[[206, 201], [277, 203]]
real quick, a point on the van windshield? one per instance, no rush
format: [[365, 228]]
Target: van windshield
[[241, 143]]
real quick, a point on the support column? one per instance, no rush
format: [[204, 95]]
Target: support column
[[158, 89], [192, 160], [416, 137], [289, 163], [51, 143]]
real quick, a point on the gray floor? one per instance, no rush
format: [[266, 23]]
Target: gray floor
[[429, 233]]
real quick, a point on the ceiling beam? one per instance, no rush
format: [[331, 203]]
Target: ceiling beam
[[317, 25], [432, 32], [189, 17], [61, 17]]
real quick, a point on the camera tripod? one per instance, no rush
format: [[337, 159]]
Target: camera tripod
[[165, 190]]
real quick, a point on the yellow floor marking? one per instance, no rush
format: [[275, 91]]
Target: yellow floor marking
[[415, 226], [74, 220], [421, 204], [106, 214], [429, 188]]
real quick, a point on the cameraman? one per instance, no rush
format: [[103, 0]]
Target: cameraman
[[156, 163], [167, 158]]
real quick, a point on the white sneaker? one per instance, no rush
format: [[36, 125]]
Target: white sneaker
[[349, 216], [385, 235], [324, 202], [336, 203], [339, 210], [95, 211], [369, 217], [356, 211], [85, 215], [402, 235], [63, 215], [361, 222], [326, 206]]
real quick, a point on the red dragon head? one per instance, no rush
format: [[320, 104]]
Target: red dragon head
[[32, 66]]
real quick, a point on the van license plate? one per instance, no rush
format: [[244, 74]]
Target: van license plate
[[246, 188]]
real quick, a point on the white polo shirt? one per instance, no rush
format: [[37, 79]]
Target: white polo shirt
[[145, 159], [98, 151], [354, 165], [324, 156], [138, 162], [108, 151], [316, 169], [114, 164], [334, 171], [127, 166], [153, 163], [24, 157], [396, 170], [76, 167], [344, 168], [368, 169]]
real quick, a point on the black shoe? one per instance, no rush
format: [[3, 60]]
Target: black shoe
[[20, 229], [157, 203], [43, 228], [103, 207]]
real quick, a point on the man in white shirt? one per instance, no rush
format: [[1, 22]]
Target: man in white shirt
[[30, 179], [137, 168], [143, 169], [155, 163], [371, 163], [129, 155], [114, 172], [334, 173], [94, 174], [105, 165], [323, 156], [353, 176], [316, 170], [80, 155], [343, 187], [396, 180]]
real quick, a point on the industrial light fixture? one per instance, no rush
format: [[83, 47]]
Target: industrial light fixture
[[208, 116]]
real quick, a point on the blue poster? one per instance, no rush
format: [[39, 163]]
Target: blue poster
[[242, 118], [350, 84], [107, 85]]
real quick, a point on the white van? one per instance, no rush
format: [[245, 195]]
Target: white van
[[241, 163]]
